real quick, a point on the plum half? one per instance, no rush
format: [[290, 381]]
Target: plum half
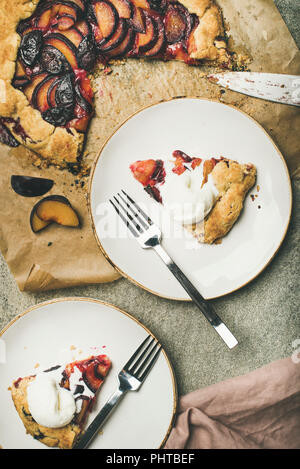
[[53, 209], [28, 186]]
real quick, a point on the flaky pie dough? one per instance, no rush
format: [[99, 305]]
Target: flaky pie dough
[[233, 181]]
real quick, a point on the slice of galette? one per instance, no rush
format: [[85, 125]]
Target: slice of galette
[[53, 405], [48, 48], [206, 196]]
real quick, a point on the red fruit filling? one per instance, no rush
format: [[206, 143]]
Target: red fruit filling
[[94, 370], [151, 173]]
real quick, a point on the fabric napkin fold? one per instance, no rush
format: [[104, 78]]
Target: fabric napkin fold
[[259, 410]]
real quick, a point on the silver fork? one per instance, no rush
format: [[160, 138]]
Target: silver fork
[[149, 236], [131, 378]]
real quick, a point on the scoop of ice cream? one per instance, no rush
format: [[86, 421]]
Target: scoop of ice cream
[[184, 197], [50, 405]]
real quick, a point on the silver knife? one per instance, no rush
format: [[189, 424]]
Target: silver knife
[[275, 87]]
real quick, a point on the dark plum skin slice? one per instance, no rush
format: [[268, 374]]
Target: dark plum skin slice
[[65, 46], [158, 5], [59, 115], [161, 41], [53, 61], [39, 95], [124, 47], [91, 377], [86, 53], [83, 103], [6, 136], [175, 24], [117, 38], [138, 20], [65, 91], [31, 46], [20, 78], [28, 186], [107, 18], [124, 8], [64, 98], [146, 41]]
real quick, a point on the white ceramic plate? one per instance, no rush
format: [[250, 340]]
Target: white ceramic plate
[[56, 332], [199, 128]]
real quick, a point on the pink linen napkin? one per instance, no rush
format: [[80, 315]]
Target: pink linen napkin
[[257, 410]]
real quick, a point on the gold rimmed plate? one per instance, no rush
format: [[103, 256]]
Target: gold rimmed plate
[[63, 330], [206, 129]]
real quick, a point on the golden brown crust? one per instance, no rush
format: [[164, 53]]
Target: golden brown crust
[[55, 144], [233, 181], [63, 438], [206, 42]]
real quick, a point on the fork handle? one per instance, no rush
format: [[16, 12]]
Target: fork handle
[[198, 299], [99, 420]]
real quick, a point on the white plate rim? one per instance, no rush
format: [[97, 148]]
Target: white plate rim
[[110, 305], [91, 178]]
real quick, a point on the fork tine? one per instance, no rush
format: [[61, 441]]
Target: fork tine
[[135, 366], [127, 223], [146, 217], [147, 370], [136, 215], [136, 225], [131, 359], [144, 359]]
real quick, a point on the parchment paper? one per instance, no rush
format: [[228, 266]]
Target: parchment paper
[[60, 257]]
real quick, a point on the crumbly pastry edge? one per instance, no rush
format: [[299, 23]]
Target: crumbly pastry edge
[[208, 41], [55, 144], [233, 181], [63, 438]]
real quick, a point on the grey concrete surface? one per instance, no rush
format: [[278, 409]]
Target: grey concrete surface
[[264, 315]]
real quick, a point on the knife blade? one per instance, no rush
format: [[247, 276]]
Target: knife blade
[[275, 87]]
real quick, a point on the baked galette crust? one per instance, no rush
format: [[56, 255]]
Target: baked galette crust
[[207, 41], [63, 438], [233, 181], [60, 145], [56, 144]]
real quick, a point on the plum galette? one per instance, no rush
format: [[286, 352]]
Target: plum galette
[[48, 48], [53, 405], [206, 196]]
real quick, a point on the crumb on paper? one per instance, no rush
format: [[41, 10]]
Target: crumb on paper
[[72, 347], [259, 206], [258, 188], [100, 432], [252, 197], [9, 388], [36, 365]]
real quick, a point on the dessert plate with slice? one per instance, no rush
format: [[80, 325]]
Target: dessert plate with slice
[[211, 178], [72, 350]]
